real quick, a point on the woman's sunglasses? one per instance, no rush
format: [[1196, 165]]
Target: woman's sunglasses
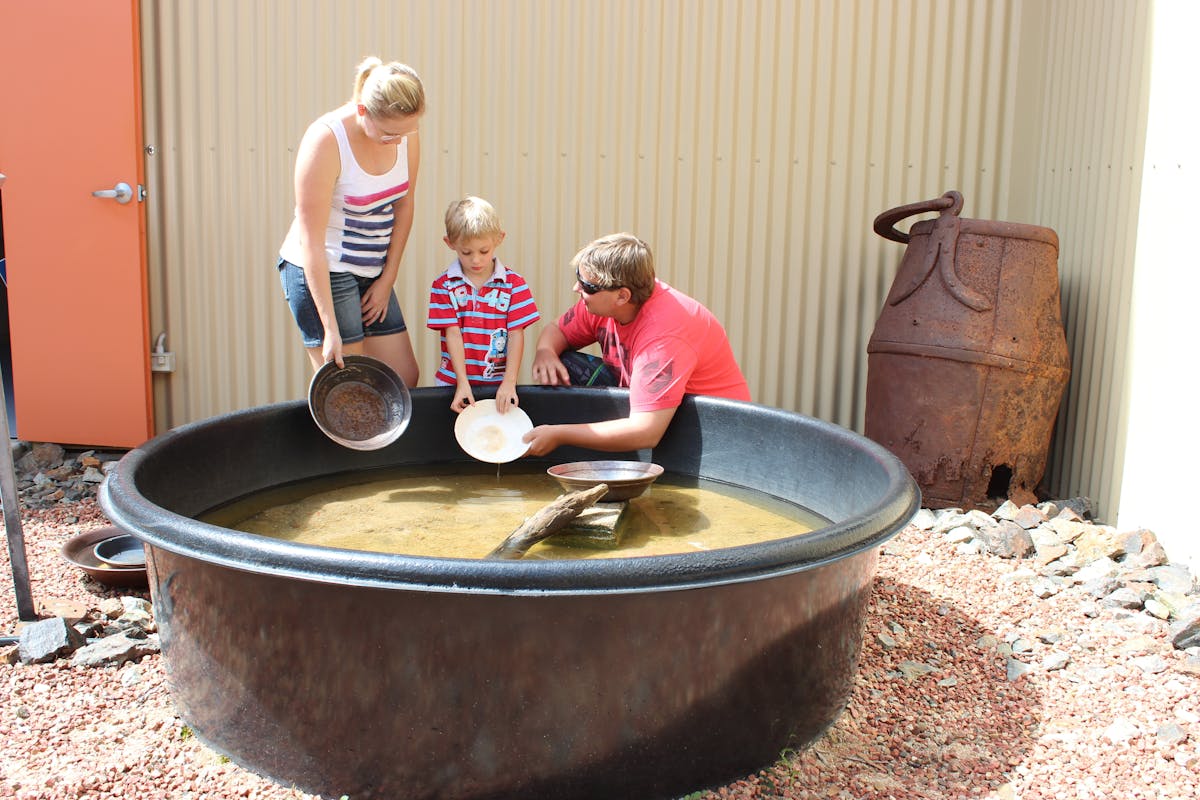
[[589, 287]]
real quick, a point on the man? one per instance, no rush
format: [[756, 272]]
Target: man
[[654, 339]]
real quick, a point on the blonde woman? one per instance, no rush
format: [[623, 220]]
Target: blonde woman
[[356, 170]]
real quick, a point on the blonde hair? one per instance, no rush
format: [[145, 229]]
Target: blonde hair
[[388, 90], [619, 259], [471, 217]]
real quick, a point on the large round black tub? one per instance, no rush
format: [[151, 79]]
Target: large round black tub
[[376, 675]]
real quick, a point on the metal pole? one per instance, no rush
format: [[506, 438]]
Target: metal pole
[[12, 518], [12, 514]]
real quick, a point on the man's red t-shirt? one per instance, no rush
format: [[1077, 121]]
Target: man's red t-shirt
[[674, 346]]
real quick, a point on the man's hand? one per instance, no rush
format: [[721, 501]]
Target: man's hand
[[542, 439], [549, 370]]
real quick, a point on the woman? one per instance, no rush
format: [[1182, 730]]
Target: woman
[[356, 169]]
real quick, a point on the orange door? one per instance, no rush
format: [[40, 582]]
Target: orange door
[[70, 125]]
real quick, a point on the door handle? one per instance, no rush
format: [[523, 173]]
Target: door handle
[[122, 193]]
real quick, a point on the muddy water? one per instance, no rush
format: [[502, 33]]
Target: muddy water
[[456, 515]]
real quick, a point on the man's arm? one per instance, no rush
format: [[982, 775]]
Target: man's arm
[[641, 429]]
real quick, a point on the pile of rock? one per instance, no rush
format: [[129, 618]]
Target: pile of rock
[[1128, 570], [48, 475], [121, 630]]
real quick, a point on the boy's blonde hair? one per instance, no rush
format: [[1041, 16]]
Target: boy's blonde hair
[[388, 90], [619, 259], [471, 218]]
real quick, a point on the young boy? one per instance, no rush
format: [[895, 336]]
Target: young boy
[[480, 308]]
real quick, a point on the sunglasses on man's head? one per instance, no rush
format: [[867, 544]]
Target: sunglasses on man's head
[[589, 287]]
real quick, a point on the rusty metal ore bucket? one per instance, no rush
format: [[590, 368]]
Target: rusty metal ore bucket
[[968, 362]]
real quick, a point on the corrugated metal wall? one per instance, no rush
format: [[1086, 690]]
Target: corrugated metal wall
[[750, 143], [1089, 155]]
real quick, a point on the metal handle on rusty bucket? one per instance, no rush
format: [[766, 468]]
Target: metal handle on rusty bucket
[[940, 254], [885, 224]]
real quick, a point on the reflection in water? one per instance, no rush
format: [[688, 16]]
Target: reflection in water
[[454, 514]]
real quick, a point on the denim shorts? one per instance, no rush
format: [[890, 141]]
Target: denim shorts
[[348, 291]]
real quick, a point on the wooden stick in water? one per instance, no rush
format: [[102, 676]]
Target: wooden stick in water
[[548, 521]]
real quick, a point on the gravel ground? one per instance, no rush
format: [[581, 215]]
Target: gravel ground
[[935, 712]]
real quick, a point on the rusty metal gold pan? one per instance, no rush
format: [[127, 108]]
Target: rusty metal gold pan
[[363, 405]]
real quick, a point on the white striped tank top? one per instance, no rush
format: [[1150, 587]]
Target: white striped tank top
[[361, 212]]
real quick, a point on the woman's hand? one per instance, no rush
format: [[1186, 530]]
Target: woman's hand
[[331, 348], [375, 302]]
